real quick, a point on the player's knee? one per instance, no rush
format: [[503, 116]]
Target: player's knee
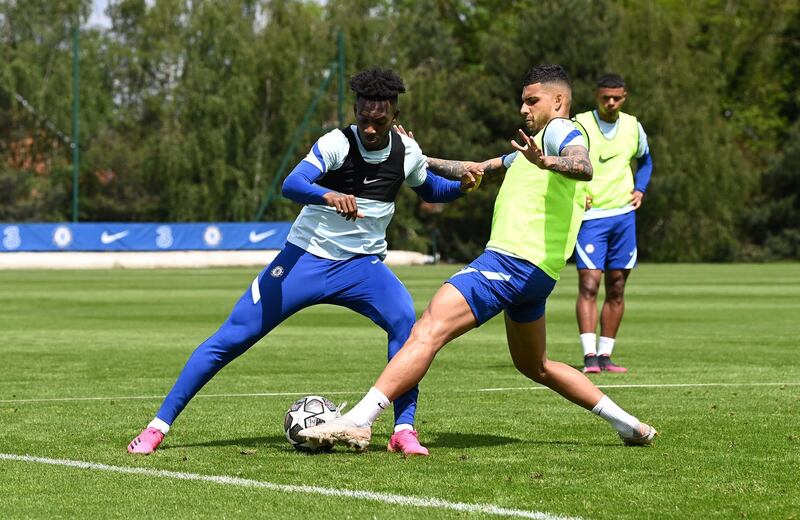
[[532, 370], [588, 290], [235, 336], [615, 292], [428, 333]]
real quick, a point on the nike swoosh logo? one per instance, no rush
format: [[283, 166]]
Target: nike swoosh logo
[[258, 237], [107, 239], [606, 159], [378, 260], [370, 181]]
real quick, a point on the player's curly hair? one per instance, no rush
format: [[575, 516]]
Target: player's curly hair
[[377, 84], [610, 81], [546, 74]]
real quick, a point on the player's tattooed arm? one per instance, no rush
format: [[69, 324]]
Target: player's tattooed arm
[[456, 169], [492, 164], [449, 169], [573, 162]]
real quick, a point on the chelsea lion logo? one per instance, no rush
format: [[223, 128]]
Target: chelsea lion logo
[[276, 271]]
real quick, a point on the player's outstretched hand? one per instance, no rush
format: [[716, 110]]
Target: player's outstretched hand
[[531, 152], [400, 130], [345, 205], [636, 199], [471, 177]]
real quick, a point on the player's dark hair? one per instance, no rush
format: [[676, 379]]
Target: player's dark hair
[[610, 81], [546, 74], [377, 84]]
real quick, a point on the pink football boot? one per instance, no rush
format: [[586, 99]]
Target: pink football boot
[[146, 442], [405, 441], [607, 365]]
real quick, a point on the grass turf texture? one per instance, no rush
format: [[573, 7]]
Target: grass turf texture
[[725, 451]]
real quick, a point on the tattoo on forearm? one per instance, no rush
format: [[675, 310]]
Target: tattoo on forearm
[[448, 169], [575, 164], [492, 164]]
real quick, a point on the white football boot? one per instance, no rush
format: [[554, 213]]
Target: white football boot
[[339, 429], [646, 436]]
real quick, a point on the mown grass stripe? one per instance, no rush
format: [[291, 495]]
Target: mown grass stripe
[[646, 385], [199, 396], [386, 498], [356, 392]]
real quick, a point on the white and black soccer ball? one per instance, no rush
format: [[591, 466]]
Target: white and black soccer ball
[[304, 413]]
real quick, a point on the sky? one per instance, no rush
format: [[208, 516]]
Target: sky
[[97, 18]]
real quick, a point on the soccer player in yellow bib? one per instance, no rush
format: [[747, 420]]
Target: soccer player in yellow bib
[[607, 239], [536, 218]]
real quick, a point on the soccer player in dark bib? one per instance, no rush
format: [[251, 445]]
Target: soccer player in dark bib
[[334, 252]]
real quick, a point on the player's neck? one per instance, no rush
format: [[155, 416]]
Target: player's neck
[[607, 117], [374, 148]]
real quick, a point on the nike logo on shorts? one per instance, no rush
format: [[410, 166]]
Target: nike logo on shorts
[[370, 181]]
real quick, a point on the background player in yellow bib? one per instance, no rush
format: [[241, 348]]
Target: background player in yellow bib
[[536, 218], [607, 238]]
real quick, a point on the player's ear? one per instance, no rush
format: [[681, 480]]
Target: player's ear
[[559, 101]]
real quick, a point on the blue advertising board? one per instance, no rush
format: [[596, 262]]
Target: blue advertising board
[[121, 236]]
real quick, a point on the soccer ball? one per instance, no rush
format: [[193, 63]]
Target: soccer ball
[[304, 413]]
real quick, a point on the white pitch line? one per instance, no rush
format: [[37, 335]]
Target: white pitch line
[[385, 498], [654, 385], [291, 394]]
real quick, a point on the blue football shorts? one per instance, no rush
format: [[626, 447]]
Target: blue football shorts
[[494, 282], [607, 243]]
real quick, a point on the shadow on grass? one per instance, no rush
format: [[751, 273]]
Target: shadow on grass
[[250, 445], [431, 440], [438, 440]]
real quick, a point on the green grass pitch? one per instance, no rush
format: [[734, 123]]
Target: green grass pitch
[[730, 444]]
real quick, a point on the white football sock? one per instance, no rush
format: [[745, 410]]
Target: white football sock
[[626, 424], [369, 408], [401, 427], [159, 425], [589, 343], [606, 346]]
